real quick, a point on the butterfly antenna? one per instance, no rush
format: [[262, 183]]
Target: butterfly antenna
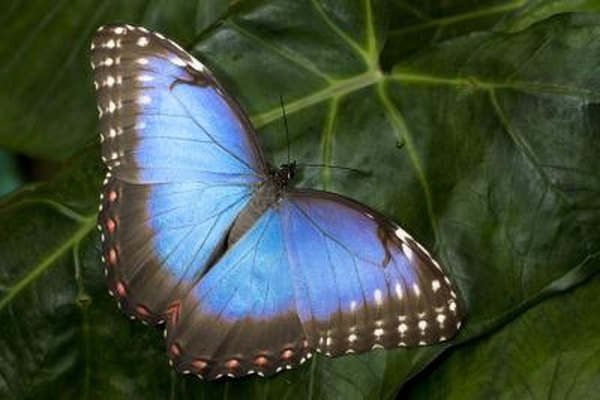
[[354, 170], [285, 125]]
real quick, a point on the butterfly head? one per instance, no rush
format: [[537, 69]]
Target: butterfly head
[[284, 174]]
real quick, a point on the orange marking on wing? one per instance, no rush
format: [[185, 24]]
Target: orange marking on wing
[[111, 225], [261, 361], [199, 364], [112, 196], [232, 363], [112, 256], [173, 312], [120, 288], [142, 310], [175, 350], [287, 354]]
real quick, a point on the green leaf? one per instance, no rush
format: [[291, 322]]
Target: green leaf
[[45, 73], [417, 24], [483, 145], [550, 352], [538, 10], [11, 178]]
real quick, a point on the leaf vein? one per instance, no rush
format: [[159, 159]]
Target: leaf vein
[[86, 227]]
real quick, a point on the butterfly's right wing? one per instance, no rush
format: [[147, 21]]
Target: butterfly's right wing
[[361, 281], [183, 162]]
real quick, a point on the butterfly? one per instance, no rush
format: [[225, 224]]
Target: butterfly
[[200, 233]]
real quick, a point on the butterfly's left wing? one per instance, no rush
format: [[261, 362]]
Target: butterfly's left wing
[[183, 162]]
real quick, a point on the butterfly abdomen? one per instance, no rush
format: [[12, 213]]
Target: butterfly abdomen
[[265, 197]]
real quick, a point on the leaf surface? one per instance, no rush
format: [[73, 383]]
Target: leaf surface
[[483, 145]]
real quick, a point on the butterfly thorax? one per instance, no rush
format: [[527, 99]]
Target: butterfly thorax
[[283, 175], [268, 192]]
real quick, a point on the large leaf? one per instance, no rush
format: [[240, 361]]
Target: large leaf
[[550, 352], [417, 24], [11, 176], [44, 72], [484, 146]]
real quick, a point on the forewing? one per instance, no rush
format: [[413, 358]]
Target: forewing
[[183, 162]]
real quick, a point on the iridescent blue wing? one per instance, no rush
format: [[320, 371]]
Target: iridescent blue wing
[[361, 281], [241, 317], [182, 163], [316, 272]]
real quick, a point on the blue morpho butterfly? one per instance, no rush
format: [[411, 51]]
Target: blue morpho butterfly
[[248, 274]]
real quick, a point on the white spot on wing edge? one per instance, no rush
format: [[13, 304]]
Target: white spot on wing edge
[[398, 288], [402, 234], [110, 81], [178, 61], [452, 306], [405, 237], [142, 41], [195, 64], [440, 319], [378, 296], [402, 328], [416, 289]]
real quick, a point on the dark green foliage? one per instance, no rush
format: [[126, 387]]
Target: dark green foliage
[[476, 124]]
